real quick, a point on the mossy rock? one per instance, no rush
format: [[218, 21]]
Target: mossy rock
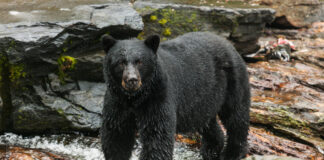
[[285, 122], [169, 22], [241, 26]]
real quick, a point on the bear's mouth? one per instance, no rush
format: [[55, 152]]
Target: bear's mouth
[[131, 86]]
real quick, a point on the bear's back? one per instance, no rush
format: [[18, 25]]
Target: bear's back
[[195, 64]]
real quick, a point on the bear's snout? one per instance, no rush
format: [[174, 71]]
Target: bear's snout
[[131, 78]]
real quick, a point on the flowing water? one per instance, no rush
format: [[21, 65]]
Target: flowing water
[[13, 11], [79, 147]]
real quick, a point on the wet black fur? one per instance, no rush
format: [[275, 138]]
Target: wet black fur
[[187, 82]]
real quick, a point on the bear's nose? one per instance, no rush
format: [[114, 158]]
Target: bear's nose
[[132, 81]]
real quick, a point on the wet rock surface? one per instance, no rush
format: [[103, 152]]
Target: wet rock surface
[[264, 142], [242, 26], [60, 109], [287, 97], [46, 57], [38, 45], [17, 153], [295, 13]]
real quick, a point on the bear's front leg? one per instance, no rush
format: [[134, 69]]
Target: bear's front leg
[[117, 134], [157, 128]]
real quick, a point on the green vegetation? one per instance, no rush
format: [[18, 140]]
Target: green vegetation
[[153, 18], [65, 64], [167, 32], [140, 36], [278, 116], [16, 73], [163, 21], [60, 111]]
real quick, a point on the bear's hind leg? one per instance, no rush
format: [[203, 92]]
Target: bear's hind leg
[[236, 122], [212, 141]]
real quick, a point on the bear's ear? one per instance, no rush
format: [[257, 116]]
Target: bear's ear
[[153, 42], [107, 42]]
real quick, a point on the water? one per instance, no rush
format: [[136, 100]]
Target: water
[[83, 147], [14, 11]]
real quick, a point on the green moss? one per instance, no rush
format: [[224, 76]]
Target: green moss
[[163, 21], [224, 22], [60, 111], [65, 64], [146, 9], [20, 117], [279, 116], [65, 49], [12, 43], [288, 119], [182, 21], [153, 18], [16, 73], [140, 36], [167, 32]]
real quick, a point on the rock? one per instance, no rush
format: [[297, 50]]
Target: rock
[[287, 97], [264, 142], [296, 14], [12, 153], [38, 45], [242, 26], [91, 65], [67, 45], [63, 109], [31, 118], [90, 96], [284, 99]]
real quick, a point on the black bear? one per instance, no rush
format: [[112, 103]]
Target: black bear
[[180, 85]]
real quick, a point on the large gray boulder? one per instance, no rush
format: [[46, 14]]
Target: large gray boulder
[[39, 45], [47, 61], [60, 108], [242, 26]]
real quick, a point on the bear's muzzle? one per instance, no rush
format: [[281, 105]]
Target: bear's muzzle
[[131, 79]]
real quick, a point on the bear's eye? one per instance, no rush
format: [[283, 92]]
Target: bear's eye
[[138, 62], [122, 63]]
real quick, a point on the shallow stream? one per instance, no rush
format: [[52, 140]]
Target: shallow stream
[[79, 147]]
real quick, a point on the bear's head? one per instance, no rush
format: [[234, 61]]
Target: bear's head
[[130, 64]]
